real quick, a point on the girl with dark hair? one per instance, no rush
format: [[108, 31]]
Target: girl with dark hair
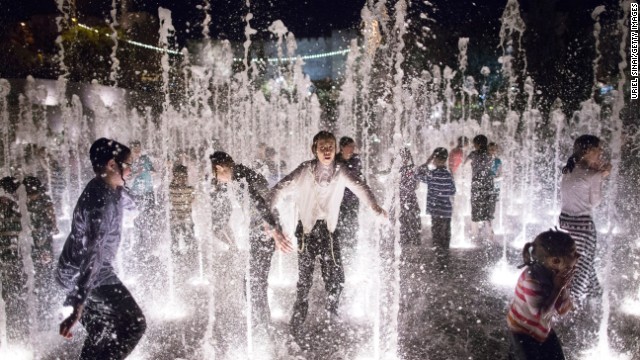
[[112, 318], [580, 191], [541, 293], [483, 200]]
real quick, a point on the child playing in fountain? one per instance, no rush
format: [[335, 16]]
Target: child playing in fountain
[[43, 227], [12, 276], [183, 244], [580, 190], [317, 187], [483, 200], [112, 318], [541, 293], [441, 189], [237, 180]]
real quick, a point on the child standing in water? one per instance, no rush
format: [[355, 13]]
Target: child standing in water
[[580, 191], [113, 320], [441, 189], [483, 201], [542, 292], [317, 187]]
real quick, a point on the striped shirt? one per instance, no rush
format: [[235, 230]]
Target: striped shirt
[[526, 315], [440, 190]]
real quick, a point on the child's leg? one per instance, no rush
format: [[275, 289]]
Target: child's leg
[[261, 252], [332, 270], [114, 323], [306, 259]]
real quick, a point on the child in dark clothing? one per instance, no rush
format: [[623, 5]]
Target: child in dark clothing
[[410, 224], [104, 306], [237, 180], [441, 189], [43, 227], [542, 293], [483, 200], [12, 275]]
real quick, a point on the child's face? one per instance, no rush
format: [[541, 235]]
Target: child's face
[[326, 151], [564, 263], [348, 150], [593, 156], [493, 150], [223, 173], [180, 178], [439, 162]]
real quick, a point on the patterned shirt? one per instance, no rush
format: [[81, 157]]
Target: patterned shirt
[[440, 190], [526, 315]]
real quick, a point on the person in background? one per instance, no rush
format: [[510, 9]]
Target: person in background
[[347, 228], [146, 222], [43, 227], [483, 202], [440, 190], [457, 154], [183, 242], [410, 223], [11, 261]]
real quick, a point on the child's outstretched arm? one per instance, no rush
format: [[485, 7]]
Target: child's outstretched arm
[[363, 192]]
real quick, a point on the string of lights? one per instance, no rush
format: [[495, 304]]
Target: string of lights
[[258, 60]]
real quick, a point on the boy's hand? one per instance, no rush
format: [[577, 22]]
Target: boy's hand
[[282, 241], [67, 324], [605, 169]]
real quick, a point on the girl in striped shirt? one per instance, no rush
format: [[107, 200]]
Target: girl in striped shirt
[[542, 292]]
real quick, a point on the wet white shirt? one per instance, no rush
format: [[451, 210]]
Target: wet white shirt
[[580, 191]]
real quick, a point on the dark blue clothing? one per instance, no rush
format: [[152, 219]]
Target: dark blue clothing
[[354, 165], [86, 259], [440, 189]]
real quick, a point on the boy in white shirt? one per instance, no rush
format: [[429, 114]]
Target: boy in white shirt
[[317, 187]]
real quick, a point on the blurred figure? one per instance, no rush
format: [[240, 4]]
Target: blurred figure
[[43, 227], [457, 154], [11, 269], [348, 224], [183, 243], [410, 225], [483, 202]]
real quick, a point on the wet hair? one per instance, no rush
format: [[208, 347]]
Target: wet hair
[[580, 147], [407, 158], [33, 185], [180, 170], [441, 154], [103, 150], [221, 158], [482, 142], [552, 242], [135, 143], [322, 135], [463, 141], [269, 152], [345, 140], [9, 184]]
